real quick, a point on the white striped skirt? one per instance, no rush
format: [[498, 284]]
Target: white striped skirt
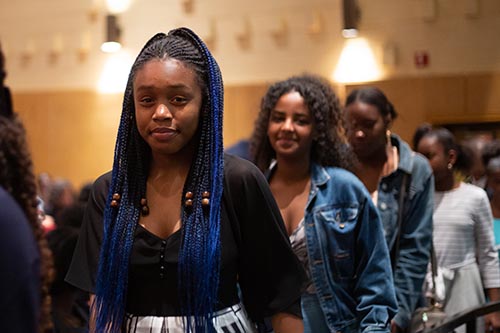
[[233, 319]]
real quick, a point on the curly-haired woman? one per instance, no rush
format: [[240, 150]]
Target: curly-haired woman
[[332, 223], [25, 258]]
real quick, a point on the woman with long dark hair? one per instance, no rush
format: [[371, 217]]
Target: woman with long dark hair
[[463, 231], [298, 141], [177, 227]]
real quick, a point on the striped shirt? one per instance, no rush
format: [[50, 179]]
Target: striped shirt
[[463, 232]]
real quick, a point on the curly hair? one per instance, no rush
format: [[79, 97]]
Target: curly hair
[[329, 146], [17, 177]]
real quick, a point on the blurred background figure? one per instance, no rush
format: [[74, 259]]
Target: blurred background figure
[[463, 234], [61, 195], [491, 161], [25, 259], [477, 172]]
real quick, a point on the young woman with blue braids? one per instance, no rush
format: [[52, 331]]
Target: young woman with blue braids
[[177, 227]]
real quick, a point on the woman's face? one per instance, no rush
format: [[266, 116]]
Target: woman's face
[[290, 128], [366, 129], [433, 150], [167, 102]]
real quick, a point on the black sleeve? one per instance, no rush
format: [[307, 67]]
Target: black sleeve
[[83, 269], [270, 275]]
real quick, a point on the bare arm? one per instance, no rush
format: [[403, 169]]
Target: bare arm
[[287, 323], [492, 320]]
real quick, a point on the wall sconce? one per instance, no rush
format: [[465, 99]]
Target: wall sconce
[[317, 24], [83, 50], [188, 6], [280, 34], [56, 49], [244, 38], [211, 37], [351, 15], [28, 52], [113, 34]]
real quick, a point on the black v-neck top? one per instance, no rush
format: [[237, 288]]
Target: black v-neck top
[[255, 252]]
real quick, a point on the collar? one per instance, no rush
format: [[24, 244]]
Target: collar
[[405, 153]]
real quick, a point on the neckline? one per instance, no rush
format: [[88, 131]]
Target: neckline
[[156, 236]]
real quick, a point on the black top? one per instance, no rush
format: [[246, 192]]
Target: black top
[[255, 252], [20, 262]]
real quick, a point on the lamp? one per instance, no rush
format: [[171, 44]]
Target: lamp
[[113, 33], [351, 15]]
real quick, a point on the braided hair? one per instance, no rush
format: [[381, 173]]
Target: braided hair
[[329, 146], [199, 256]]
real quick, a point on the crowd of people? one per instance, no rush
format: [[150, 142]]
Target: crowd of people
[[326, 222]]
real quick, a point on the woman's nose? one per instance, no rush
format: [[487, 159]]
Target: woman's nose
[[162, 112], [288, 125]]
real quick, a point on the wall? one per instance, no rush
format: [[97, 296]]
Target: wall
[[72, 127]]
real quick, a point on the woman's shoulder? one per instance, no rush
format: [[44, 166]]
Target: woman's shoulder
[[235, 166], [472, 191]]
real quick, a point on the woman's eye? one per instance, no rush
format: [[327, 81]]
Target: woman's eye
[[277, 119], [179, 100], [146, 100]]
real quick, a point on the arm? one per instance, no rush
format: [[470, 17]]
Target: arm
[[374, 288], [269, 274], [287, 323], [487, 258], [414, 252]]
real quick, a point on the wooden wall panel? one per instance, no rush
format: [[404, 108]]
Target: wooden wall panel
[[72, 134]]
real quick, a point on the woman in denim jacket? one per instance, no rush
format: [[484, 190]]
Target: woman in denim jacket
[[387, 165], [333, 225]]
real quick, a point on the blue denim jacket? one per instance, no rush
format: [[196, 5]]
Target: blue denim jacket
[[348, 257], [416, 233]]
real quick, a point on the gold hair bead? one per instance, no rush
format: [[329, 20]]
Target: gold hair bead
[[205, 194], [144, 202], [144, 210], [114, 203], [205, 201], [189, 195], [188, 202], [116, 196]]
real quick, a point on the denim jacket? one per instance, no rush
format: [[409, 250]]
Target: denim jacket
[[348, 257], [416, 228]]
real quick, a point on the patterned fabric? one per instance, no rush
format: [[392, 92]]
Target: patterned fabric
[[299, 247], [233, 319], [463, 232]]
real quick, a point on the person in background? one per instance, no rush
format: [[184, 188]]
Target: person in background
[[241, 149], [477, 173], [463, 231], [25, 259], [401, 185], [61, 195], [333, 226], [178, 225], [491, 161]]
